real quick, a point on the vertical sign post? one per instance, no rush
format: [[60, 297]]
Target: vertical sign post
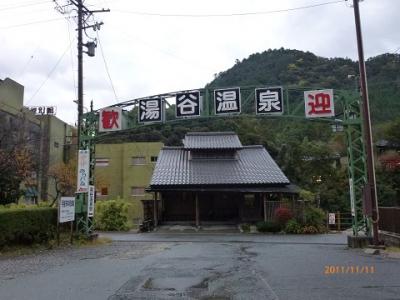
[[83, 171], [91, 195]]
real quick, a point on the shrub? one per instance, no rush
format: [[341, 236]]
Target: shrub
[[292, 226], [245, 227], [310, 230], [111, 215], [27, 225], [314, 216], [282, 215], [268, 226]]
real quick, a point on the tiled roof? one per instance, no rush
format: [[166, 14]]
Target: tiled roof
[[212, 140], [253, 165]]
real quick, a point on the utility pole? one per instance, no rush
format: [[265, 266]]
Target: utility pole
[[370, 198], [80, 70], [84, 141]]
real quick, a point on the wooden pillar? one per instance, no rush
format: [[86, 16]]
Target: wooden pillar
[[197, 210], [155, 210], [265, 207]]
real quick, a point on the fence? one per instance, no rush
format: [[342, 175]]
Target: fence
[[338, 221], [389, 219]]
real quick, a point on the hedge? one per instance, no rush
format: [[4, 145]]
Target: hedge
[[27, 225]]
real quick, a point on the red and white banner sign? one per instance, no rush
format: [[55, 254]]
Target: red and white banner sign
[[319, 104], [110, 119]]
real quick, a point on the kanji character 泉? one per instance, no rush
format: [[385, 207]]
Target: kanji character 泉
[[269, 101]]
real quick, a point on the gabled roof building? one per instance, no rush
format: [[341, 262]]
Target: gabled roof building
[[214, 178]]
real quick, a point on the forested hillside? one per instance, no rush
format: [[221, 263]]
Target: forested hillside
[[293, 68], [305, 150]]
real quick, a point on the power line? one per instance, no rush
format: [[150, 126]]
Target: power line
[[230, 14], [32, 23], [166, 52], [72, 59], [106, 66], [27, 4], [49, 74]]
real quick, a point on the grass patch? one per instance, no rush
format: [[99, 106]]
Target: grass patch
[[100, 241], [80, 241], [393, 249]]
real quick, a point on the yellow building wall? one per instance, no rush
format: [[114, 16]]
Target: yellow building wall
[[121, 174]]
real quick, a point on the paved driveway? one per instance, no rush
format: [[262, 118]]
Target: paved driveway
[[204, 266]]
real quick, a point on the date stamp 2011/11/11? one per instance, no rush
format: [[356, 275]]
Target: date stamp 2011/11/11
[[330, 270]]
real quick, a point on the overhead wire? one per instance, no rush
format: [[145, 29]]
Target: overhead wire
[[27, 4], [28, 62], [49, 74], [72, 59], [32, 23], [106, 66], [230, 14]]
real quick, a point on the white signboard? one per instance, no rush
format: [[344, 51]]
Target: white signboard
[[83, 171], [66, 209], [352, 200], [110, 119], [331, 219], [319, 104], [43, 110], [91, 196]]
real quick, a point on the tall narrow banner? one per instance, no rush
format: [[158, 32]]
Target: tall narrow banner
[[91, 196], [83, 171]]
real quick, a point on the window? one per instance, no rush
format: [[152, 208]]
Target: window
[[137, 191], [104, 191], [138, 160], [249, 200], [102, 162], [153, 159], [56, 144]]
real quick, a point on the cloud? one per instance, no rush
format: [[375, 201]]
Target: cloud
[[147, 55]]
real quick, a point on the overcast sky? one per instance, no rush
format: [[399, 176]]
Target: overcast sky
[[158, 46]]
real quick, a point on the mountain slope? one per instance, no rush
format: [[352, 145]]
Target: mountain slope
[[292, 68]]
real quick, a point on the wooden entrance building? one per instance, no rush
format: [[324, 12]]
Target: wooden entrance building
[[214, 178]]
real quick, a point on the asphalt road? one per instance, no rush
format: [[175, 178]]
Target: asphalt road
[[204, 266]]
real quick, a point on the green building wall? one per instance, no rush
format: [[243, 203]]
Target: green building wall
[[122, 173], [57, 148]]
